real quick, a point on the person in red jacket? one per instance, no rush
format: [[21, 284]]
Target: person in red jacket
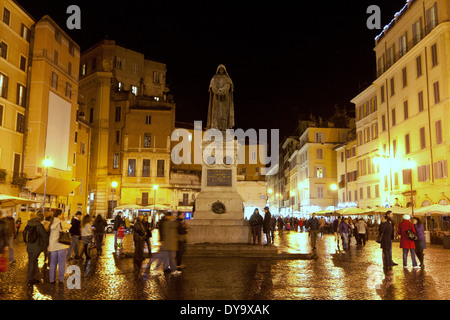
[[405, 243]]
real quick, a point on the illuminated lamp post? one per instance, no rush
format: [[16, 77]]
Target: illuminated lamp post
[[155, 187], [114, 185], [47, 163]]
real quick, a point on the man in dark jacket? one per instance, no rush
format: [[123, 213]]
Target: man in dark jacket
[[267, 226], [313, 225], [256, 223], [75, 231], [139, 240], [35, 248]]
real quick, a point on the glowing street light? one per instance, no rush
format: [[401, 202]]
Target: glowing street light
[[47, 162]]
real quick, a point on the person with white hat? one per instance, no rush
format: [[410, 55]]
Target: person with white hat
[[406, 243]]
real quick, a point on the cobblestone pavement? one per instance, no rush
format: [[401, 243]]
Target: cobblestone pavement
[[356, 275]]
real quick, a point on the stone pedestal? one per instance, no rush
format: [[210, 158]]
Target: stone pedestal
[[218, 191]]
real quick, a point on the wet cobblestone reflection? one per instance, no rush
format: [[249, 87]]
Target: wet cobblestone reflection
[[332, 276]]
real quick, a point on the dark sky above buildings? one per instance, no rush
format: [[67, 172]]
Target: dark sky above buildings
[[284, 57]]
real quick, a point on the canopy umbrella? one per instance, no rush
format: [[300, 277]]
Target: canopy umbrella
[[434, 208], [323, 213], [351, 210], [129, 207], [10, 201]]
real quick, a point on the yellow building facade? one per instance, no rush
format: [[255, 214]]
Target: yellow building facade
[[413, 104], [15, 37]]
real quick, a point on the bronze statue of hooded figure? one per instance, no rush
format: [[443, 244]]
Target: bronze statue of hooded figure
[[221, 105]]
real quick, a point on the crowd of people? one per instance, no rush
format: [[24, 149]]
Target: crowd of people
[[43, 234]]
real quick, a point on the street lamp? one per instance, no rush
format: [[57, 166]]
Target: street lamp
[[155, 187], [410, 165], [47, 163]]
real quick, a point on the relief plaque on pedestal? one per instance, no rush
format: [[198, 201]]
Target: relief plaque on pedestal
[[218, 177]]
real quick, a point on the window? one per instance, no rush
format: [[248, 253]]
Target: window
[[68, 90], [1, 115], [420, 100], [392, 86], [431, 18], [157, 77], [147, 140], [361, 193], [55, 57], [440, 169], [146, 167], [422, 138], [91, 115], [319, 153], [382, 93], [405, 109], [383, 123], [404, 77], [82, 148], [118, 136], [20, 122], [23, 63], [160, 168], [185, 199], [390, 56], [3, 86], [132, 167], [83, 69], [434, 57], [25, 33], [394, 148], [320, 192], [148, 119], [119, 63], [6, 16], [423, 173], [393, 117], [118, 114], [349, 196], [438, 125], [58, 36], [134, 90], [419, 66], [406, 176], [3, 50], [356, 195], [20, 95], [407, 144], [115, 161], [54, 83], [320, 172], [144, 198], [377, 191], [76, 136], [417, 31], [402, 45], [368, 192], [437, 97], [319, 137]]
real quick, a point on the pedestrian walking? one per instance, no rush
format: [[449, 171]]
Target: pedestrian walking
[[272, 228], [386, 235], [256, 223], [148, 234], [120, 235], [313, 226], [18, 224], [117, 222], [10, 235], [36, 238], [420, 243], [322, 224], [182, 229], [280, 225], [75, 231], [169, 244], [46, 223], [99, 232], [3, 245], [127, 224], [267, 225], [300, 223], [86, 235], [361, 229], [337, 235], [139, 236], [344, 231], [406, 243], [57, 250]]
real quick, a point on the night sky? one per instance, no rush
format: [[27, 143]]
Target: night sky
[[285, 58]]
